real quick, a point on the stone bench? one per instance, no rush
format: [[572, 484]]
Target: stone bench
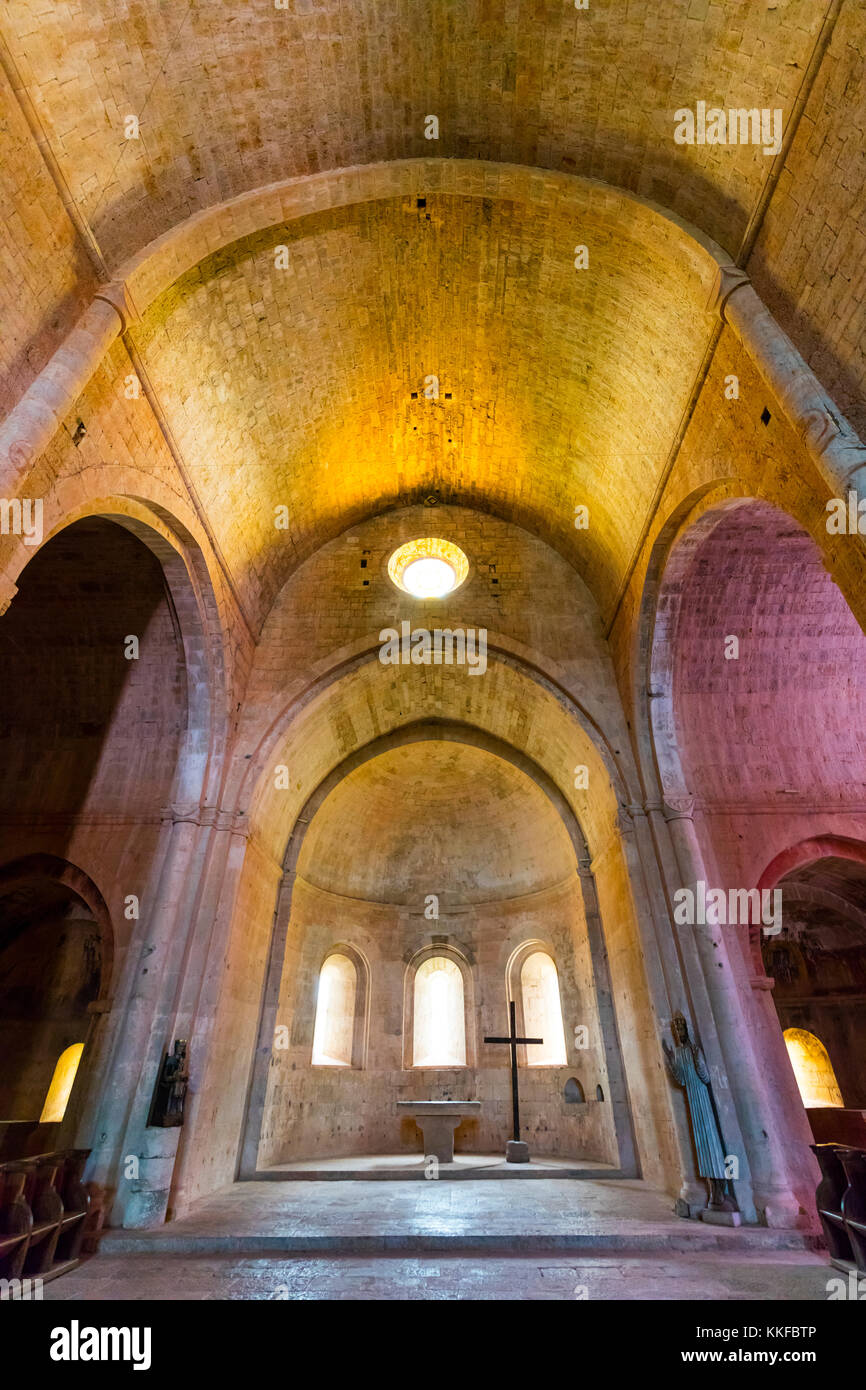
[[437, 1120]]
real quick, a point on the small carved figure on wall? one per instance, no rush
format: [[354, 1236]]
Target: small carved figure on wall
[[171, 1088]]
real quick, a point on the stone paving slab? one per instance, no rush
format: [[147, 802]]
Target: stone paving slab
[[531, 1276]]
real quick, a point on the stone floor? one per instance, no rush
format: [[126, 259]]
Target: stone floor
[[548, 1239], [357, 1218], [777, 1275]]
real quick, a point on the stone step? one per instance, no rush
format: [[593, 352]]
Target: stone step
[[446, 1173], [694, 1238]]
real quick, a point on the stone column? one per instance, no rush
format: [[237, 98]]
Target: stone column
[[29, 428], [837, 450], [774, 1183], [695, 1003], [141, 1019]]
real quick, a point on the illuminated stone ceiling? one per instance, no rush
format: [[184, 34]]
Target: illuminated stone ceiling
[[443, 818], [303, 386], [238, 94]]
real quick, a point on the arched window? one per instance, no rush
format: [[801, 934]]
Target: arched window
[[61, 1085], [812, 1068], [334, 1032], [439, 1021], [542, 1011]]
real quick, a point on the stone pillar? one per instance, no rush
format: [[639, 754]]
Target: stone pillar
[[619, 1099], [697, 1006], [835, 447], [29, 428], [142, 1017], [664, 973], [774, 1184], [202, 995]]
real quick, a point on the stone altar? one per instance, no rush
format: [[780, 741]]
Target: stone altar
[[438, 1120]]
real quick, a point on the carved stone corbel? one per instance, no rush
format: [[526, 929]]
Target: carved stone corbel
[[728, 279]]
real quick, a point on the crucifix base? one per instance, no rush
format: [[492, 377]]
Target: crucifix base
[[516, 1151]]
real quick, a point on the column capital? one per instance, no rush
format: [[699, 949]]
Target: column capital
[[678, 807], [624, 819], [117, 295], [762, 982], [208, 817], [729, 278]]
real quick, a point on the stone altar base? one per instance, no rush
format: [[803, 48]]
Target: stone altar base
[[437, 1120]]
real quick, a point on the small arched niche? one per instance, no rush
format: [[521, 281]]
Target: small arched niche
[[573, 1092], [55, 964]]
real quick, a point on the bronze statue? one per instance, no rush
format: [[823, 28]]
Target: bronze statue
[[688, 1068], [171, 1088]]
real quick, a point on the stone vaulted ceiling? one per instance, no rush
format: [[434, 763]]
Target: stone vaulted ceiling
[[304, 386], [240, 93]]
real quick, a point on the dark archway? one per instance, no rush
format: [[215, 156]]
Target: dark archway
[[818, 962]]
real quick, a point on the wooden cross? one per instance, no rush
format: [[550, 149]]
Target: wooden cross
[[513, 1040]]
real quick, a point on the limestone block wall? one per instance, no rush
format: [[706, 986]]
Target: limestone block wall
[[46, 280], [324, 1111]]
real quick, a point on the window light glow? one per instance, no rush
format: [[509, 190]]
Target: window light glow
[[429, 578], [813, 1069], [335, 1013], [542, 1011], [428, 568], [61, 1085], [439, 1034]]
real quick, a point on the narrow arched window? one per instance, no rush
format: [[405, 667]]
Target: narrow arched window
[[334, 1029], [61, 1085], [439, 1026], [542, 1011], [812, 1068]]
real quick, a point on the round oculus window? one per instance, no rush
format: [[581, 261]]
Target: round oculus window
[[428, 568]]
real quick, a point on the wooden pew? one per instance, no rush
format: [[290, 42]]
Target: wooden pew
[[841, 1201], [16, 1221], [854, 1202], [43, 1214]]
